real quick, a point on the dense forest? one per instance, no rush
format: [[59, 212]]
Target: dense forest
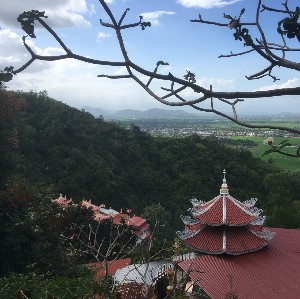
[[49, 148], [73, 153]]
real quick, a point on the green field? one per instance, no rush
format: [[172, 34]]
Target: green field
[[281, 161]]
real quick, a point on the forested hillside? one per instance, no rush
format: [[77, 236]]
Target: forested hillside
[[69, 151], [47, 147]]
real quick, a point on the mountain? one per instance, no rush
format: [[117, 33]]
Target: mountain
[[96, 112], [130, 113]]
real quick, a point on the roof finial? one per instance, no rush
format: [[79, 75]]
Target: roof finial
[[224, 188]]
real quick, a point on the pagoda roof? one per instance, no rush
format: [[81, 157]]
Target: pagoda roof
[[226, 239], [270, 273], [224, 209]]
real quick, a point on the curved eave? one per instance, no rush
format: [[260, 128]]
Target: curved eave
[[202, 204], [228, 224], [226, 240], [225, 251]]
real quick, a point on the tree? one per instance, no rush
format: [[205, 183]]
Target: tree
[[103, 241], [11, 107], [288, 27], [160, 219]]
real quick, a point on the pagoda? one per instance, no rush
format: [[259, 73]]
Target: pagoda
[[225, 225]]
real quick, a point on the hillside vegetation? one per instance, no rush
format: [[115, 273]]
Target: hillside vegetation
[[83, 157], [48, 147]]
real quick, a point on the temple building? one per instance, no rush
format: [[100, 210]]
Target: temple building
[[140, 225], [235, 256], [225, 225]]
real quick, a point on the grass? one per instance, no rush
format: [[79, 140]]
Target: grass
[[284, 162]]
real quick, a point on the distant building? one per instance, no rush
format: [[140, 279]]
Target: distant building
[[62, 201], [101, 213]]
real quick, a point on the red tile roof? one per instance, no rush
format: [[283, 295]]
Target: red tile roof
[[271, 273], [222, 239], [225, 225], [230, 212]]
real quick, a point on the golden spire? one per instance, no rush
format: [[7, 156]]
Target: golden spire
[[224, 188]]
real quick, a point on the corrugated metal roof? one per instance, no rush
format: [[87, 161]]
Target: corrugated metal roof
[[271, 273], [137, 273]]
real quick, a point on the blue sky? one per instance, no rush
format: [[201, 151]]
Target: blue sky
[[171, 38]]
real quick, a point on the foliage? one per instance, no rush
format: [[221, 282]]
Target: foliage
[[240, 34], [6, 75], [232, 294], [84, 157], [283, 202], [31, 231], [159, 217], [291, 27], [35, 286], [11, 107], [278, 148]]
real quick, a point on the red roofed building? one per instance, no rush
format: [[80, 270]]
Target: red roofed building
[[270, 273], [112, 266], [62, 201], [100, 213], [225, 225]]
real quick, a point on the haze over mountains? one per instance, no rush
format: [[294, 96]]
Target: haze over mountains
[[163, 113], [151, 113]]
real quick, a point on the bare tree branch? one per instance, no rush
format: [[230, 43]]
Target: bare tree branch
[[174, 96]]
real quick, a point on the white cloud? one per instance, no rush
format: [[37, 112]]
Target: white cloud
[[217, 85], [121, 71], [166, 68], [14, 53], [102, 35], [92, 10], [61, 14], [289, 84], [153, 16], [206, 3]]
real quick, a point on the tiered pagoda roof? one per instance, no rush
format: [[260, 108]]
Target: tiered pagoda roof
[[225, 225]]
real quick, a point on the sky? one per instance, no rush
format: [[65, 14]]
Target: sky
[[172, 38]]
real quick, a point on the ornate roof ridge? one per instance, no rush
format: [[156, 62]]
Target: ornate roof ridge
[[258, 221], [250, 203], [188, 220], [249, 210], [195, 202], [201, 210], [264, 234], [186, 234]]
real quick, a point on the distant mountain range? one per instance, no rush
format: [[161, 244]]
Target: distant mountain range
[[162, 113], [130, 113]]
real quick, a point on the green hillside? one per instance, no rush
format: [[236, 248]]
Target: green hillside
[[84, 157], [49, 148]]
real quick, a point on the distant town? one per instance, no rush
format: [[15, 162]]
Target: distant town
[[223, 131], [160, 122]]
